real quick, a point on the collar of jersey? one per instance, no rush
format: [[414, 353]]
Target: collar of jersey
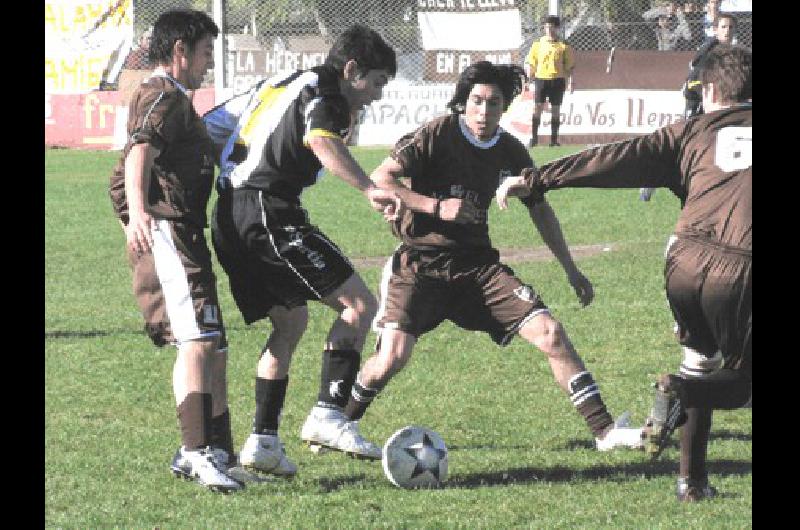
[[475, 141], [161, 73], [547, 38]]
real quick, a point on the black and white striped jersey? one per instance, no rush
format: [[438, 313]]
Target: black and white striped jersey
[[264, 132]]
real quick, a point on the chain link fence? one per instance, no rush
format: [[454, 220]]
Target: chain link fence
[[264, 38]]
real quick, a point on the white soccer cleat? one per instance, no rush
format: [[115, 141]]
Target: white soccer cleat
[[620, 435], [204, 467], [330, 428], [264, 452]]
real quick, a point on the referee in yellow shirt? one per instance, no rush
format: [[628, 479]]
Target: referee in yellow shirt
[[549, 63]]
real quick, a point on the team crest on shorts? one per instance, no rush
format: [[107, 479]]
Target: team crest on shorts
[[210, 314], [524, 292]]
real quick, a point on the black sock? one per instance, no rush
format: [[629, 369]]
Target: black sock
[[221, 432], [535, 129], [585, 395], [339, 369], [554, 125], [270, 395], [360, 399], [724, 389], [694, 444], [194, 419]]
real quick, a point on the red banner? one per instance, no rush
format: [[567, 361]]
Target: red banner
[[96, 120]]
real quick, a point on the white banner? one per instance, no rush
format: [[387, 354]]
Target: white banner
[[406, 107], [739, 6], [85, 43], [477, 31], [599, 112]]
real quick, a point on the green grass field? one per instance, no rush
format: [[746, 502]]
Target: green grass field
[[520, 456]]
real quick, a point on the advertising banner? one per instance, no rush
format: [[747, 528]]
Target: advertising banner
[[456, 33], [587, 116], [85, 43]]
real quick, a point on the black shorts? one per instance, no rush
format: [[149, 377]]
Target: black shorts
[[420, 289], [710, 292], [552, 89], [271, 254]]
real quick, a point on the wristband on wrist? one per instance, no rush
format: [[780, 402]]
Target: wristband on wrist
[[436, 208]]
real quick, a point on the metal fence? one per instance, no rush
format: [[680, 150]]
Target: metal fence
[[262, 38]]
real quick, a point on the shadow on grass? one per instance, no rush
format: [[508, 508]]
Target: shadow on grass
[[613, 473], [715, 435], [487, 447], [58, 334], [327, 485]]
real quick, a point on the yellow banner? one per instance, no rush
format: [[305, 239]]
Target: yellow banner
[[85, 42]]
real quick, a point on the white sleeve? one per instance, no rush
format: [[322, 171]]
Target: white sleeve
[[221, 120]]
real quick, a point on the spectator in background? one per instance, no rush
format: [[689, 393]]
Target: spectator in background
[[672, 30], [724, 29], [710, 18], [138, 58], [549, 64], [672, 33]]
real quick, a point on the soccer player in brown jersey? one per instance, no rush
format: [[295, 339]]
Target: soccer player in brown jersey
[[159, 190], [276, 140], [446, 267], [707, 162]]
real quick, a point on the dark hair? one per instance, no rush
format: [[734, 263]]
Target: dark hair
[[720, 16], [509, 77], [730, 69], [366, 47], [551, 19], [187, 25]]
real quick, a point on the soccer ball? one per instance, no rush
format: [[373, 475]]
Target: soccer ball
[[415, 457]]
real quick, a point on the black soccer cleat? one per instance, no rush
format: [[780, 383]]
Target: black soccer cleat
[[666, 415], [688, 490], [555, 144]]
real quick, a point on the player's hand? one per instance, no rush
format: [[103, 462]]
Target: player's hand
[[582, 286], [511, 187], [385, 201], [138, 232], [461, 211]]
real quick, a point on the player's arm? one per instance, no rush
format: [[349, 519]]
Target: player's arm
[[138, 167], [546, 222], [569, 67], [336, 158], [646, 161], [388, 174], [530, 64]]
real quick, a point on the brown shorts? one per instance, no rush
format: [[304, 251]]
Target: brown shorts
[[710, 292], [175, 286], [419, 289]]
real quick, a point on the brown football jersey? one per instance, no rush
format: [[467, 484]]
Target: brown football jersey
[[706, 161], [443, 159], [161, 114]]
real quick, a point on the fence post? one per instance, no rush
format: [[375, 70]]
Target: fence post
[[220, 51]]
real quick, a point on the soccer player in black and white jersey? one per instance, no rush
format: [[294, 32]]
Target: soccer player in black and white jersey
[[275, 141], [707, 162], [446, 267]]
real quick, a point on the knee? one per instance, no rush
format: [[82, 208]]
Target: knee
[[548, 335], [365, 307], [289, 325]]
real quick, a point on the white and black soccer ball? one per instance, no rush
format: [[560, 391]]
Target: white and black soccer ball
[[415, 457]]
